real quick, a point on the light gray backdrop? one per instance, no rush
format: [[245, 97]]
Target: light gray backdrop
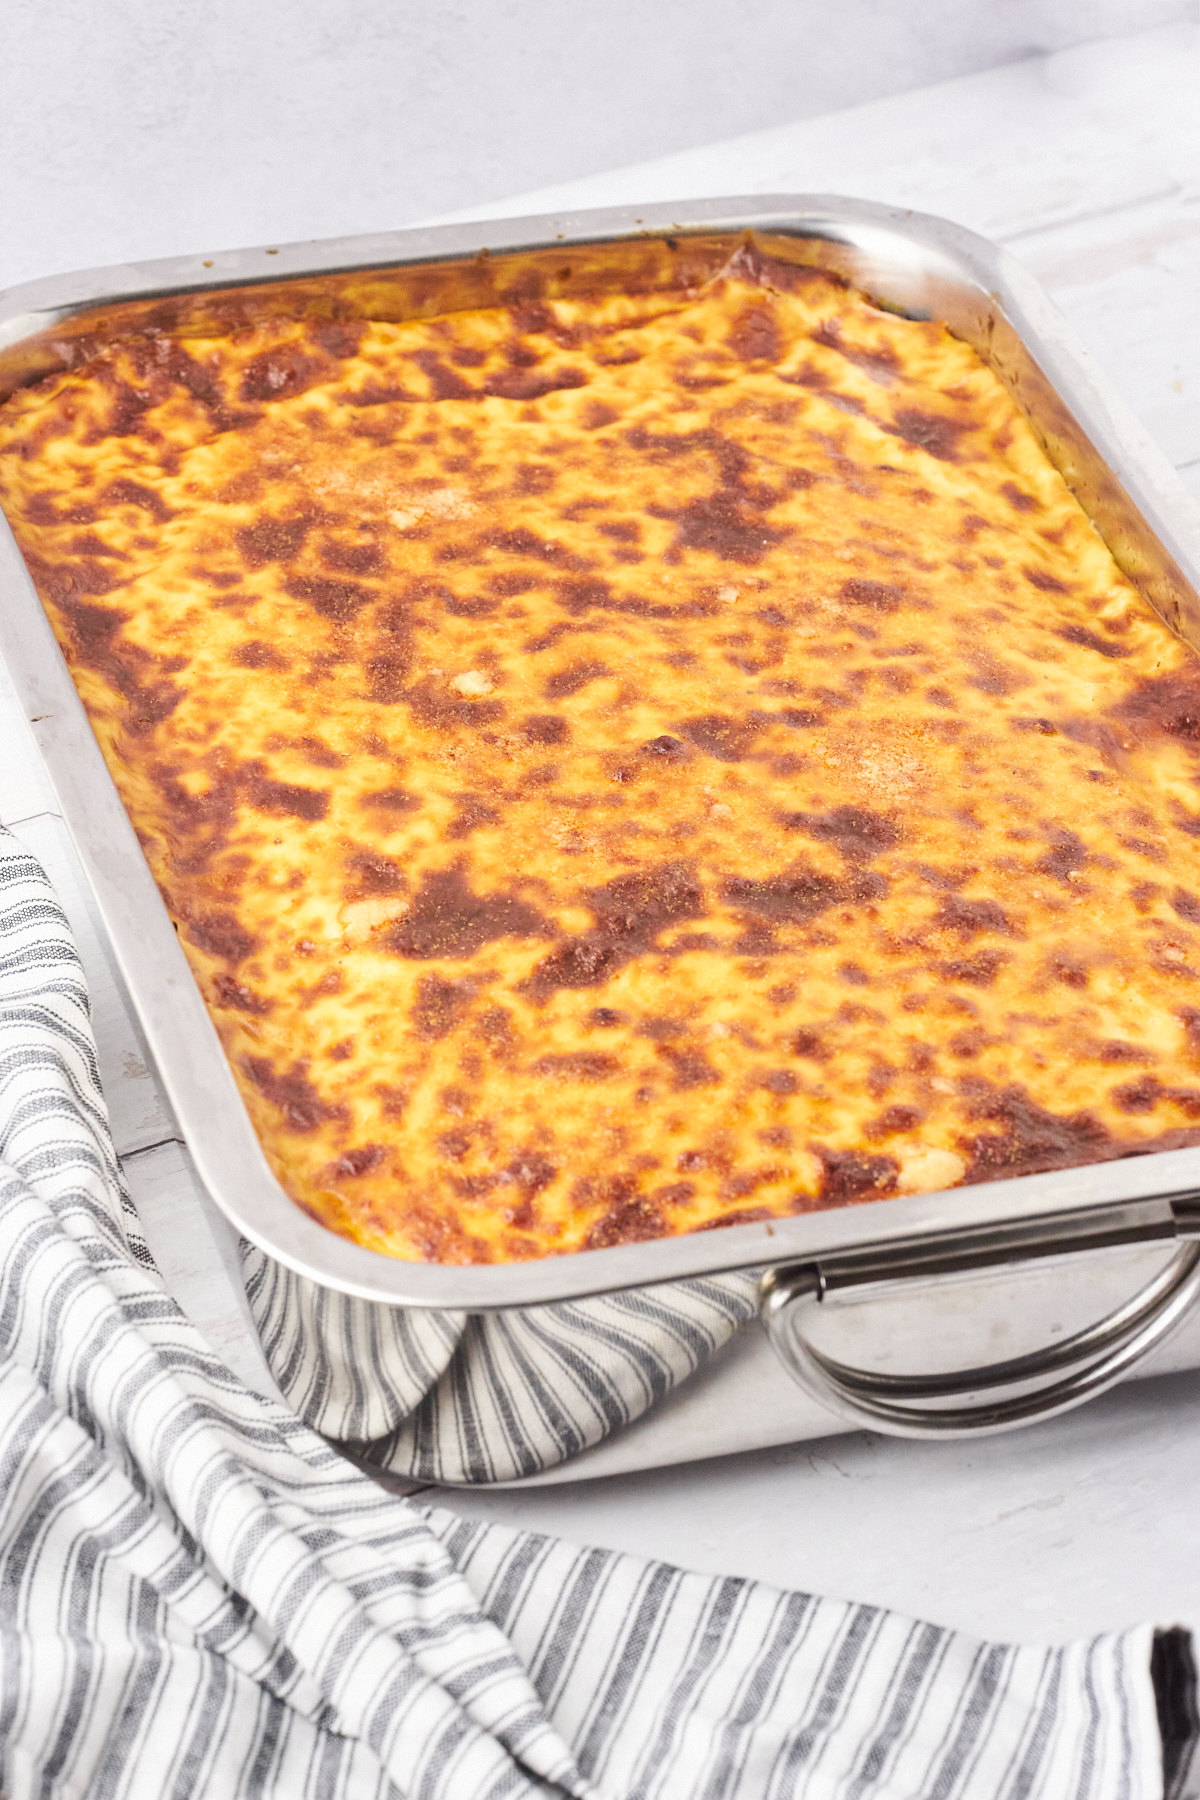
[[133, 128]]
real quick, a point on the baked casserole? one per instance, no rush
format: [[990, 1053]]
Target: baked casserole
[[626, 765]]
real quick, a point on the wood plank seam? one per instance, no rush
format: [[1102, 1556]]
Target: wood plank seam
[[127, 1156], [1175, 192]]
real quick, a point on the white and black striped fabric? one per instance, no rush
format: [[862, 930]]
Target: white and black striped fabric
[[490, 1396], [199, 1596]]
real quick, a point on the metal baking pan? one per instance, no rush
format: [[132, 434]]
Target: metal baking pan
[[913, 264]]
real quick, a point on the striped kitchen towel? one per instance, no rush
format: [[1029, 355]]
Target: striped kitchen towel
[[199, 1596], [489, 1396]]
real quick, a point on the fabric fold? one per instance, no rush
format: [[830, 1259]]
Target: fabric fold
[[447, 1397], [192, 1499]]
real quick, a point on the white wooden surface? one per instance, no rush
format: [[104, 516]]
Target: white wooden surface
[[131, 131], [1088, 165]]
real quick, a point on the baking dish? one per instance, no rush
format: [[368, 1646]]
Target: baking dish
[[918, 266]]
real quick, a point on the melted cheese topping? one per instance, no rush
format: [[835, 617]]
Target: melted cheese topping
[[625, 766]]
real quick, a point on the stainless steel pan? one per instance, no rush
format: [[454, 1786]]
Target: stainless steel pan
[[920, 266]]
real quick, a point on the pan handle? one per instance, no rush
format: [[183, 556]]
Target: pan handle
[[1049, 1381]]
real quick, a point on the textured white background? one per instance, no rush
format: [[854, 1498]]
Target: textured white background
[[136, 128]]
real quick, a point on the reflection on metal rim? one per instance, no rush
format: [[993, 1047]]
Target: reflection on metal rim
[[1093, 1359]]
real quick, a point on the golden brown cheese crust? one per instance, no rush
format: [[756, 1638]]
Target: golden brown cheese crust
[[628, 766]]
